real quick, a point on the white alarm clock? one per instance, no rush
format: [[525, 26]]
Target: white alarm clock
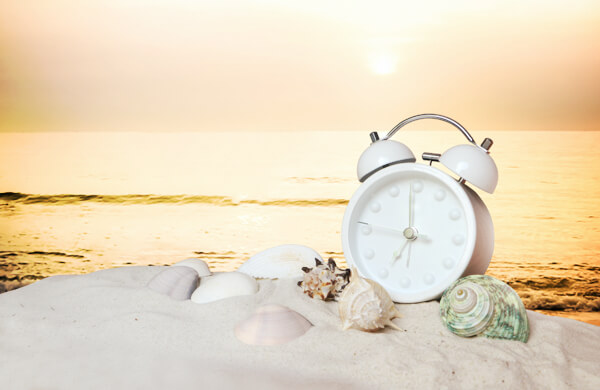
[[414, 228]]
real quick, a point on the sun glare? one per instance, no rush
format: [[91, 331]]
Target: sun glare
[[383, 64]]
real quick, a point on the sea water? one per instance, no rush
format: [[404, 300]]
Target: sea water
[[78, 202]]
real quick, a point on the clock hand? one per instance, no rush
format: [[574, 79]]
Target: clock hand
[[411, 236], [398, 253], [410, 206], [381, 227], [408, 255]]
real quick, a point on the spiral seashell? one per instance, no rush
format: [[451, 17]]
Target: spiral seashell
[[272, 325], [177, 282], [325, 282], [366, 305], [482, 305]]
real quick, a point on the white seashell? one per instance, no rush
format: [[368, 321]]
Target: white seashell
[[283, 261], [224, 285], [178, 283], [199, 265], [272, 325], [365, 305]]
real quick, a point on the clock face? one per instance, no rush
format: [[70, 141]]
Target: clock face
[[411, 228]]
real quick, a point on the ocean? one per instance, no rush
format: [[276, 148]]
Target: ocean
[[74, 203]]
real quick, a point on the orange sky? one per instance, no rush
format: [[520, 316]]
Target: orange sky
[[168, 65]]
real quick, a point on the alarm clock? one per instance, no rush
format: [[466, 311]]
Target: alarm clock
[[414, 228]]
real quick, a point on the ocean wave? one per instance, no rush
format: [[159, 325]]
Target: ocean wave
[[556, 293], [9, 254], [69, 199], [538, 300]]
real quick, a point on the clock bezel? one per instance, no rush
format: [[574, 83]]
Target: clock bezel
[[411, 296]]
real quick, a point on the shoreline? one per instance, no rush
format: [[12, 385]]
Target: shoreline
[[588, 317]]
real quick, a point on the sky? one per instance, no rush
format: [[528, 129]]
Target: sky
[[183, 65]]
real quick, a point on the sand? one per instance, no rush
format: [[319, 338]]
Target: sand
[[107, 330]]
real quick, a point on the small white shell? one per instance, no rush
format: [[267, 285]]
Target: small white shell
[[178, 283], [199, 265], [283, 261], [365, 305], [272, 325], [224, 285]]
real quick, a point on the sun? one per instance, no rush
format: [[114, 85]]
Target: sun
[[383, 63]]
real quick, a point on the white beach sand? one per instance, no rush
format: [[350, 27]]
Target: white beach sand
[[106, 330]]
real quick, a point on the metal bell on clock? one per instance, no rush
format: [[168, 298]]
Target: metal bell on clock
[[471, 162], [381, 154]]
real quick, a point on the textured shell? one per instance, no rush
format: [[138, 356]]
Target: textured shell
[[272, 325], [178, 283], [482, 305], [324, 281], [365, 305], [224, 285], [199, 265], [283, 261]]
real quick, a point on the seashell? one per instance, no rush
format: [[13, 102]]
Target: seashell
[[272, 325], [482, 305], [224, 285], [324, 281], [199, 265], [178, 283], [283, 261], [366, 305]]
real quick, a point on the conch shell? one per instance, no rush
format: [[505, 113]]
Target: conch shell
[[324, 281], [481, 305], [365, 305]]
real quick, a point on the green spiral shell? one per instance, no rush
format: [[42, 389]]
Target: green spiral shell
[[482, 305]]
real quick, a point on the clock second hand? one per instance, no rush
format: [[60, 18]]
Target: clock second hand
[[380, 226], [421, 235]]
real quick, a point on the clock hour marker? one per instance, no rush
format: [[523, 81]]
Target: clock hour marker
[[383, 273], [417, 186], [405, 282], [393, 191], [458, 239], [440, 195], [366, 230], [454, 214], [448, 263], [375, 207], [369, 253], [428, 278]]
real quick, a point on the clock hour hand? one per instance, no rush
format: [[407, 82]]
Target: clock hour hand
[[398, 253]]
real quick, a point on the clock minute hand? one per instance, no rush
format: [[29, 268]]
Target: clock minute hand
[[410, 206]]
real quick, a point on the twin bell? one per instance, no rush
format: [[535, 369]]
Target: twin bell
[[471, 162]]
